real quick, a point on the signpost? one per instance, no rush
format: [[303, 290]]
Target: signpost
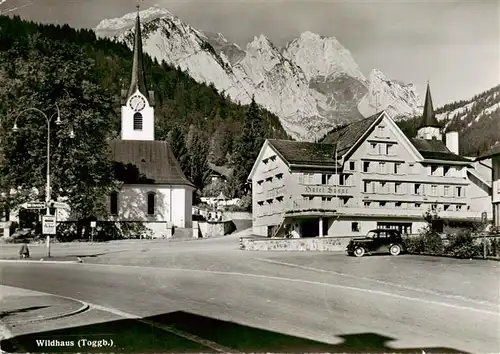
[[92, 227], [48, 228], [484, 220]]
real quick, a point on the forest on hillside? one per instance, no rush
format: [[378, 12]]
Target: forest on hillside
[[43, 65]]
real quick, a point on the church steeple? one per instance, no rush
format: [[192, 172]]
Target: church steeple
[[429, 128], [138, 81], [429, 118]]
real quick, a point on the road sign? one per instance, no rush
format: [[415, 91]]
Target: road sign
[[60, 205], [48, 225], [35, 205], [484, 217], [93, 224]]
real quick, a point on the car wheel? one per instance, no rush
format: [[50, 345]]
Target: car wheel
[[359, 252], [395, 250]]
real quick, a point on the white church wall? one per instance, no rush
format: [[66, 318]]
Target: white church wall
[[169, 202]]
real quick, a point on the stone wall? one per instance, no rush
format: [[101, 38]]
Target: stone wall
[[213, 229], [294, 244]]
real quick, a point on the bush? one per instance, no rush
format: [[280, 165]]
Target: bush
[[432, 243], [104, 231], [463, 246], [414, 245]]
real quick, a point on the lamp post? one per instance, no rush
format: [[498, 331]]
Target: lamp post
[[47, 186]]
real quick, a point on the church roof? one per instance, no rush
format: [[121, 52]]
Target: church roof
[[146, 162], [429, 118], [436, 150], [138, 81]]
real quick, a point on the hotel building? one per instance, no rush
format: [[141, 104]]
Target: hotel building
[[494, 155], [363, 176]]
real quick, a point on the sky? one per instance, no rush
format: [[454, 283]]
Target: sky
[[454, 44]]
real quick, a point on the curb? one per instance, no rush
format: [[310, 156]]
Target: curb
[[83, 308], [39, 261]]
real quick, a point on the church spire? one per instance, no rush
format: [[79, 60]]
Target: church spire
[[138, 81], [429, 118]]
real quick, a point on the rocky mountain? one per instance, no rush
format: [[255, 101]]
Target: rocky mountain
[[312, 84], [477, 120]]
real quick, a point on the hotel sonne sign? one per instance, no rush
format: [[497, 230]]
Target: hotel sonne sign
[[326, 190]]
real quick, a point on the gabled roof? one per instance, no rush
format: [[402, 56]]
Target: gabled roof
[[347, 136], [146, 162], [305, 153], [429, 118], [436, 150], [494, 151]]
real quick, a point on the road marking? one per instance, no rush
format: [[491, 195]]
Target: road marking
[[293, 280], [205, 342], [185, 335], [456, 297]]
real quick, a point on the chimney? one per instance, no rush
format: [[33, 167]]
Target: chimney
[[452, 142]]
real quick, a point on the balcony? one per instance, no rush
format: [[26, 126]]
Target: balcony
[[318, 207]]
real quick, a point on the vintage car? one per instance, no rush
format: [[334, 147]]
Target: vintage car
[[377, 241]]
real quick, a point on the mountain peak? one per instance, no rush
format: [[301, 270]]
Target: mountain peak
[[127, 20]]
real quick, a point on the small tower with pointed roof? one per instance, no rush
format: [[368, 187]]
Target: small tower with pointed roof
[[429, 128], [138, 103]]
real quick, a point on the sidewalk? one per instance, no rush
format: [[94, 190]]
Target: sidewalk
[[21, 306]]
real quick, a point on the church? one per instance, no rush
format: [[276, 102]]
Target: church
[[155, 190]]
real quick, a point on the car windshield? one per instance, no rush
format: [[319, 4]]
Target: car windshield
[[371, 234]]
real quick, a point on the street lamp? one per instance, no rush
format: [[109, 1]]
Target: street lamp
[[71, 135]]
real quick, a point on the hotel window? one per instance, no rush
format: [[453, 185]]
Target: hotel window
[[388, 149], [344, 180], [412, 168], [417, 205], [397, 168], [418, 189], [380, 130], [383, 187], [433, 170], [381, 167], [458, 207], [352, 165], [446, 207], [345, 200], [325, 179], [269, 179], [434, 207], [151, 203], [279, 199], [434, 191], [137, 121], [355, 227], [308, 178], [368, 187], [279, 176], [446, 191], [397, 188], [113, 208], [382, 204], [326, 199], [458, 192], [265, 161], [273, 158], [373, 147], [367, 204], [398, 204], [446, 170], [366, 166]]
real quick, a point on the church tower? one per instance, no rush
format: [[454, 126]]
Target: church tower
[[138, 121], [429, 128]]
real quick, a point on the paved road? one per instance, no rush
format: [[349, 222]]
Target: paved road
[[373, 304]]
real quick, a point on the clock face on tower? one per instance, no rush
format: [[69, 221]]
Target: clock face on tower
[[137, 103]]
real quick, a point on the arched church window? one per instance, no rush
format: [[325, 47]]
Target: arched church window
[[113, 208], [151, 203], [137, 121]]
